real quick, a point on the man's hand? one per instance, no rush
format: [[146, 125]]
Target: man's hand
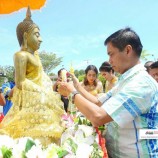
[[65, 88]]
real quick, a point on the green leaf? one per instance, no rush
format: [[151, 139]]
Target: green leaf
[[23, 154], [79, 121], [7, 153], [29, 145], [61, 153], [101, 128], [73, 145]]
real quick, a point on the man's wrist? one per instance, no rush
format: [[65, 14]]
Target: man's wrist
[[73, 94]]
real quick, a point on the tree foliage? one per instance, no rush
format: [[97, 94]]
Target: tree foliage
[[144, 55], [79, 72], [49, 61], [81, 78], [7, 72]]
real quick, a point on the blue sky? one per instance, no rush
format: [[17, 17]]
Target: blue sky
[[76, 29]]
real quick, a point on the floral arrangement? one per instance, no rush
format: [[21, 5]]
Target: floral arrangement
[[74, 142], [26, 147], [79, 126], [79, 137], [81, 120]]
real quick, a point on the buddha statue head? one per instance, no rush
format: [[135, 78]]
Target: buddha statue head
[[25, 27]]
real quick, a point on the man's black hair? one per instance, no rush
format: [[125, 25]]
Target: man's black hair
[[121, 38]]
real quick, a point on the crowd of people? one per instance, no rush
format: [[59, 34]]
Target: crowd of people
[[128, 105]]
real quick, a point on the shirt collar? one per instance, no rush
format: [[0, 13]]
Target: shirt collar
[[135, 69]]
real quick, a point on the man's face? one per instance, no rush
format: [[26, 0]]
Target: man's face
[[154, 73], [117, 59]]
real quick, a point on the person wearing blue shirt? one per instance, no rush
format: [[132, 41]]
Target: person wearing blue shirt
[[7, 89]]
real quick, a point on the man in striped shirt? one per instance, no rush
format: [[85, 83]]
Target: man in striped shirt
[[132, 105]]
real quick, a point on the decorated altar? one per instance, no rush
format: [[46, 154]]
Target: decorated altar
[[79, 140]]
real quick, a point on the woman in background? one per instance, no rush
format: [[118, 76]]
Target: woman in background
[[91, 82], [108, 73]]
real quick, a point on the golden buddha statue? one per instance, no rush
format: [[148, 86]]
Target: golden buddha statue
[[37, 109]]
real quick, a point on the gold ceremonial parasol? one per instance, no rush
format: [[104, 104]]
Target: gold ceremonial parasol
[[9, 6]]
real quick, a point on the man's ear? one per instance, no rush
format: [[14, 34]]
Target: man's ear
[[25, 40], [128, 49]]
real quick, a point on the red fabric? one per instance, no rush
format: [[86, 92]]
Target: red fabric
[[1, 117], [102, 142]]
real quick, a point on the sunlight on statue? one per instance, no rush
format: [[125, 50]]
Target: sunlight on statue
[[36, 110]]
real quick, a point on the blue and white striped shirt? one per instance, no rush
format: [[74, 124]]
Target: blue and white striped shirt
[[133, 105]]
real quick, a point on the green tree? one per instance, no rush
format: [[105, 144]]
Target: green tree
[[79, 73], [1, 76], [81, 78], [49, 61], [144, 55], [6, 71], [9, 70]]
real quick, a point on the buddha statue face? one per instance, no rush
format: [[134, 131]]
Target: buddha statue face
[[32, 40], [28, 34]]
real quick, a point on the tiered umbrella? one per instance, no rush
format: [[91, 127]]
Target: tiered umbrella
[[9, 6]]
